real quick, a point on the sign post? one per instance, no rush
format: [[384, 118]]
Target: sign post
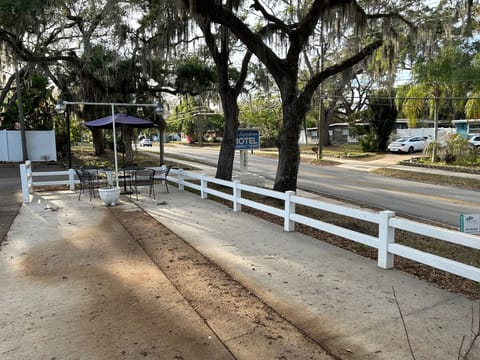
[[243, 161]]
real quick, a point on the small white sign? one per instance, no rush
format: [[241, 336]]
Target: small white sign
[[470, 223]]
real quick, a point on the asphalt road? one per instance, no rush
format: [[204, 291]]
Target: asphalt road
[[441, 204], [10, 197], [437, 203]]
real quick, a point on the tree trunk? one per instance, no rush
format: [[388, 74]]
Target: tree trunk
[[97, 135], [287, 143], [328, 119], [161, 131], [227, 150], [127, 144]]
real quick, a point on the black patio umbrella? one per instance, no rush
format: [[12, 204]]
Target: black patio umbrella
[[110, 122], [120, 119]]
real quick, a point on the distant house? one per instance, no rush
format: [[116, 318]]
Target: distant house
[[339, 133], [467, 126], [421, 123], [311, 136]]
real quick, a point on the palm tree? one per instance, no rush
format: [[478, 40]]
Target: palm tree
[[441, 85]]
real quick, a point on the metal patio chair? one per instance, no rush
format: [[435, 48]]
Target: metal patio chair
[[162, 174], [144, 177], [86, 182]]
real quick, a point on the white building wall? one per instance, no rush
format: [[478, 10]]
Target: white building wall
[[3, 145], [40, 145], [443, 133]]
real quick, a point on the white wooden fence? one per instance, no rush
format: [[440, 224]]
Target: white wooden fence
[[67, 177], [386, 220]]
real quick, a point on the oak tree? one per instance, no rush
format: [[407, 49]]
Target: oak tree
[[284, 65]]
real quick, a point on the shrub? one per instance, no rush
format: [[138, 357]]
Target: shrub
[[456, 150], [368, 143]]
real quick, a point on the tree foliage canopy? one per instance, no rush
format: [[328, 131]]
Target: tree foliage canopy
[[314, 50]]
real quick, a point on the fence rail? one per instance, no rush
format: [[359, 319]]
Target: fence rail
[[27, 178], [386, 221]]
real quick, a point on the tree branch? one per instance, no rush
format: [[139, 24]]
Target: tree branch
[[393, 16], [8, 85], [306, 27], [221, 58], [210, 41], [279, 24], [209, 10], [243, 72], [337, 68]]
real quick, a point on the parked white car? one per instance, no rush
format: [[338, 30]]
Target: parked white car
[[475, 140], [146, 142], [408, 144]]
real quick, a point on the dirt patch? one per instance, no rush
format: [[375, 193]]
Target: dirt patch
[[247, 327], [435, 179]]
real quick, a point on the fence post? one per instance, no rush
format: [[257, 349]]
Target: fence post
[[386, 235], [26, 176], [203, 187], [181, 185], [237, 194], [71, 179], [289, 225]]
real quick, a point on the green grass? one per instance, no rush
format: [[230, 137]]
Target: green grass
[[82, 155], [346, 151]]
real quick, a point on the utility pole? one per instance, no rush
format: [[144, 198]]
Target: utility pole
[[320, 107], [20, 113], [69, 144], [435, 127], [319, 126]]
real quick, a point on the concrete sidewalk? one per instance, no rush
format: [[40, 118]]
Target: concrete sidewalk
[[339, 299], [343, 300], [75, 285]]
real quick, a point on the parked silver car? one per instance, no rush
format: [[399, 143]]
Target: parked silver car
[[408, 144]]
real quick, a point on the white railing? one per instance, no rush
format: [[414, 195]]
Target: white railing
[[386, 220], [27, 176]]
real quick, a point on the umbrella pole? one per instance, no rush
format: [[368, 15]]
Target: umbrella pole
[[124, 165], [115, 145]]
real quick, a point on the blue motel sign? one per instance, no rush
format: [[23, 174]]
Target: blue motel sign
[[248, 139]]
